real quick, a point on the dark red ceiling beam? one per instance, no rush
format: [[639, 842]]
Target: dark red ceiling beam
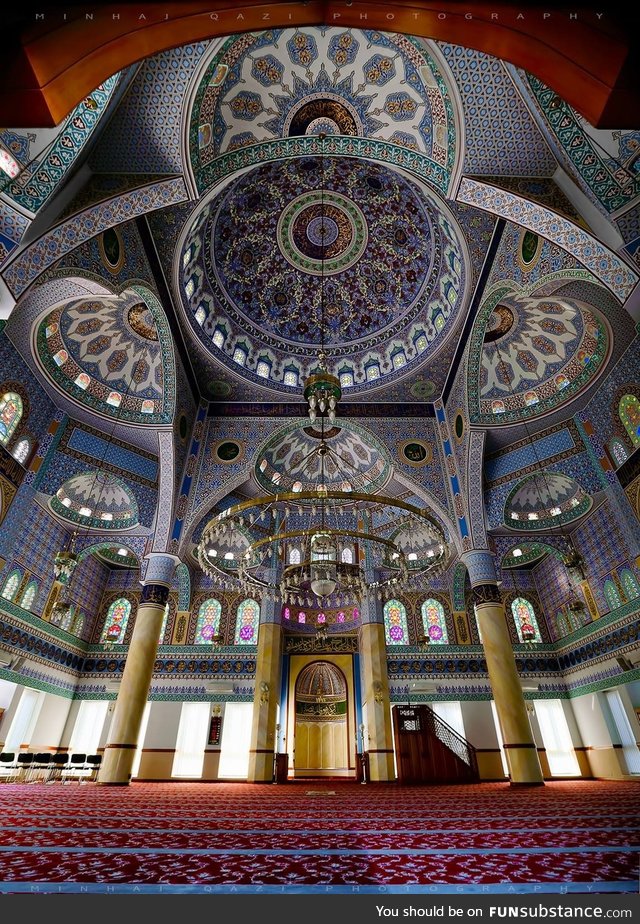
[[53, 59]]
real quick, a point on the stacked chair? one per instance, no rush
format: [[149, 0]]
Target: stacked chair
[[29, 767]]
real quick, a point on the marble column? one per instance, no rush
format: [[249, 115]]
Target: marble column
[[375, 692], [519, 744], [136, 678], [267, 694]]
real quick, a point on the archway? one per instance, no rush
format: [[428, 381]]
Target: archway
[[321, 708]]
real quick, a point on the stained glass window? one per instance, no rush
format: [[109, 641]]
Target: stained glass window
[[294, 556], [247, 623], [618, 451], [115, 625], [347, 556], [21, 451], [629, 411], [10, 414], [525, 621], [434, 622], [612, 596], [395, 623], [163, 628], [630, 584], [208, 622], [11, 585], [29, 595]]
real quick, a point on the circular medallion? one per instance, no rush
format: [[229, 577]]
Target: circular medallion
[[228, 451], [111, 249], [500, 322], [218, 389], [415, 452], [141, 321], [422, 389], [322, 232]]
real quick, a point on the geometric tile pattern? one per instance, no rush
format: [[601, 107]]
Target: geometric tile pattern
[[55, 243], [120, 457], [511, 461], [36, 183], [602, 262], [145, 134], [12, 228], [500, 135]]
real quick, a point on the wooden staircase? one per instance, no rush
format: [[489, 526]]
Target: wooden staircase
[[430, 751]]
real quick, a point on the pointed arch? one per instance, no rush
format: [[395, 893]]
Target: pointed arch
[[395, 623], [115, 624], [208, 622], [247, 619], [525, 620], [11, 410], [12, 584], [29, 595], [433, 622], [629, 414]]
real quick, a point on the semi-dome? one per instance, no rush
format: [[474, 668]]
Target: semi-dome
[[96, 499], [321, 681], [545, 500]]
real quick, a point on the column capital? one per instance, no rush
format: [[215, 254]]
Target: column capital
[[160, 568], [481, 565]]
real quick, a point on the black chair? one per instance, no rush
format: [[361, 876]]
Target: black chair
[[25, 761], [94, 761], [58, 763], [39, 770], [77, 763], [7, 766]]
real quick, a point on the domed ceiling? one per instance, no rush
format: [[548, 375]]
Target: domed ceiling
[[363, 89], [109, 354], [321, 679], [532, 353], [291, 461], [545, 500], [251, 265], [96, 499]]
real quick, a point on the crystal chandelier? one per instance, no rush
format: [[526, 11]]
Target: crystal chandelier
[[65, 562]]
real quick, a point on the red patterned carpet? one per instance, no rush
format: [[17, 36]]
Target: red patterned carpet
[[320, 836]]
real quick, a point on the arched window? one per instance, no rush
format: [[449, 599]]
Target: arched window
[[11, 585], [163, 628], [29, 595], [525, 621], [617, 451], [21, 450], [612, 595], [347, 556], [78, 625], [630, 584], [629, 412], [208, 622], [115, 625], [395, 623], [434, 623], [10, 414], [294, 556], [247, 623]]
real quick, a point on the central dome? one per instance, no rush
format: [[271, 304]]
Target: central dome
[[289, 243]]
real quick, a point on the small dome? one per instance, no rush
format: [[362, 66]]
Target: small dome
[[321, 682], [545, 500], [96, 499]]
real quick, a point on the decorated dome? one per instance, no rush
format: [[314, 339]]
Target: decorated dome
[[384, 92], [106, 353], [545, 500], [321, 681], [291, 461], [96, 499], [532, 354], [251, 266]]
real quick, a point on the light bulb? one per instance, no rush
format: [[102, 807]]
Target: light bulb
[[312, 401], [332, 402], [323, 405]]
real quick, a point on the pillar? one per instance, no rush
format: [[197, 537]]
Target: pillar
[[376, 705], [267, 694], [519, 744], [136, 679]]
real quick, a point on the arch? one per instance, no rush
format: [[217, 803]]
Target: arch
[[346, 556], [115, 624], [11, 410], [458, 586], [611, 594], [630, 584], [29, 595], [629, 413], [12, 584], [617, 450], [22, 450], [433, 622], [525, 620], [294, 555], [69, 64], [208, 622], [183, 578], [395, 623], [247, 619]]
